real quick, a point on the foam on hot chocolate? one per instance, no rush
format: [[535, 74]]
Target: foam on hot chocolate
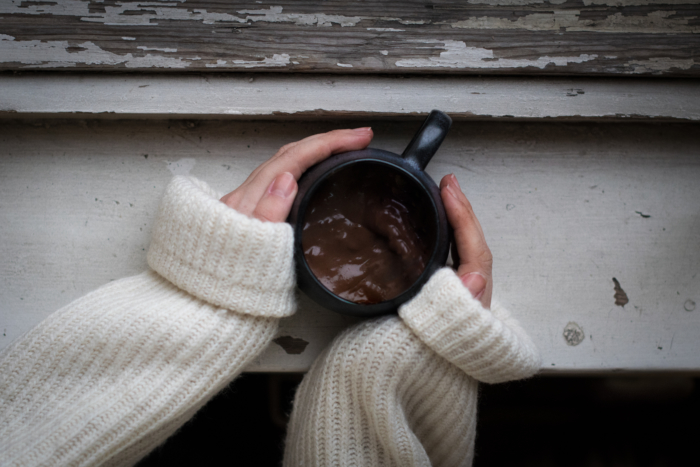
[[363, 237]]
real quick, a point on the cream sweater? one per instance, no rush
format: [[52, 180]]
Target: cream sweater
[[107, 378]]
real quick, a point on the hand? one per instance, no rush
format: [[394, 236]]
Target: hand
[[268, 193], [473, 258]]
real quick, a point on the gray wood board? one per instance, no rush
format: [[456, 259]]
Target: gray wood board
[[582, 37], [565, 208], [295, 96]]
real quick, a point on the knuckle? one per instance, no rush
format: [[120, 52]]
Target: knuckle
[[485, 257]]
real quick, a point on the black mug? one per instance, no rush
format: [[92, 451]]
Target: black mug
[[410, 166]]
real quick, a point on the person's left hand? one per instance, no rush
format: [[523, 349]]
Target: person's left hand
[[269, 191]]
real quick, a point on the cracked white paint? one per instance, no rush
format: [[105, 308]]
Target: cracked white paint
[[513, 2], [458, 55], [274, 15], [636, 2], [656, 22], [143, 47], [276, 60], [385, 29], [657, 65], [149, 13], [55, 54], [129, 38], [384, 52], [181, 167]]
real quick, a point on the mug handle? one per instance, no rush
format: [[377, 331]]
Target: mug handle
[[426, 142]]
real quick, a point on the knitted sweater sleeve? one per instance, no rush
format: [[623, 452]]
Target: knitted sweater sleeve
[[110, 376], [402, 391], [489, 346]]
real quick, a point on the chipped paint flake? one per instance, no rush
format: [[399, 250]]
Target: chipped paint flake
[[217, 64], [384, 52], [148, 14], [143, 47], [276, 60], [345, 65], [274, 15], [385, 29], [573, 334], [129, 38], [458, 55], [660, 64], [55, 54], [619, 3], [657, 22]]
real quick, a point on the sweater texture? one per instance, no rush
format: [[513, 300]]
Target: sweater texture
[[107, 378], [402, 390], [110, 376]]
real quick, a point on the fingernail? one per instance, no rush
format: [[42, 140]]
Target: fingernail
[[475, 282], [453, 179], [283, 185], [363, 131], [450, 189]]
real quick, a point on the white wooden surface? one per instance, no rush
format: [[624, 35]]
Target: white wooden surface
[[313, 96], [565, 208]]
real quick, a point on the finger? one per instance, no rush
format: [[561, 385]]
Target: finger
[[475, 259], [295, 159], [276, 202]]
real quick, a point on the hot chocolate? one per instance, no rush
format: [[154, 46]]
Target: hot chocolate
[[368, 233]]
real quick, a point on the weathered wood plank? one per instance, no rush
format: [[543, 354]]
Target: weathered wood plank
[[590, 37], [565, 208], [56, 95]]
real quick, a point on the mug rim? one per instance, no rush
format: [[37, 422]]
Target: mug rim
[[329, 167]]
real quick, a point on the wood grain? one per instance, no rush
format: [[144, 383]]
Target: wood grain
[[532, 37], [276, 96], [559, 204]]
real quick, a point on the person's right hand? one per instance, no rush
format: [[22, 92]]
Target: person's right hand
[[473, 259]]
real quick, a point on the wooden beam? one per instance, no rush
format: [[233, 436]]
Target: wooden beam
[[565, 208], [533, 37], [56, 95]]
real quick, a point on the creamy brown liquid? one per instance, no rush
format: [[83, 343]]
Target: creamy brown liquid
[[362, 235]]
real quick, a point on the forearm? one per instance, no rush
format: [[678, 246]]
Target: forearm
[[489, 346], [379, 396], [110, 376]]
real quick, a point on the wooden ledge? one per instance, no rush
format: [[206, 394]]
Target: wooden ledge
[[273, 96]]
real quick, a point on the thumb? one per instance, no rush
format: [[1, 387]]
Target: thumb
[[276, 202]]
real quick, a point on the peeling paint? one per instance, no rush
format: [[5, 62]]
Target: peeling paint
[[275, 15], [635, 2], [657, 22], [660, 64], [129, 38], [291, 345], [458, 55], [573, 334], [275, 61], [55, 54], [150, 13], [384, 52], [385, 29], [143, 47], [345, 65]]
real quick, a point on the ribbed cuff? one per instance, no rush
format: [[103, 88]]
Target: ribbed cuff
[[450, 321], [221, 256]]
